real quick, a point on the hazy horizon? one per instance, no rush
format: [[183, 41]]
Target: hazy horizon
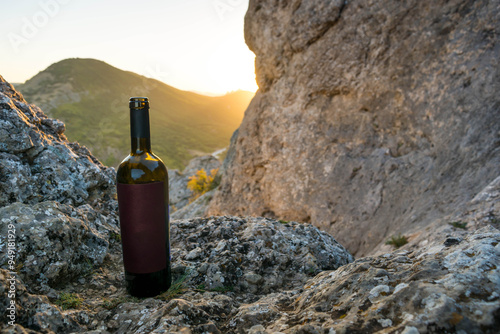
[[192, 45]]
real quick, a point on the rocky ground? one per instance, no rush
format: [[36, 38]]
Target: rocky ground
[[242, 274], [257, 275]]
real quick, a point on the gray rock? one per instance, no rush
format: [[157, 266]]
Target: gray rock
[[37, 163], [196, 208], [33, 312], [372, 117], [58, 197], [434, 290], [482, 211], [225, 263], [180, 195], [207, 162], [55, 243], [255, 255]]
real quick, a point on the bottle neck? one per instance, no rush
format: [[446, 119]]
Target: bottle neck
[[139, 131], [140, 145]]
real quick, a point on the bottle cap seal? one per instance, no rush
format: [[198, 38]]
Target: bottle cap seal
[[138, 103]]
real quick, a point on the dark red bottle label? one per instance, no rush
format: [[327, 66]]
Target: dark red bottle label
[[143, 224]]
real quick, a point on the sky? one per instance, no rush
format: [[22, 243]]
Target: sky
[[195, 45]]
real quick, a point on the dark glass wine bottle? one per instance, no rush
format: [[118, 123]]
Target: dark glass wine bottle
[[142, 188]]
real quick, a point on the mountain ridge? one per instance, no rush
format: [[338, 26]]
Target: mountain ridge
[[91, 97]]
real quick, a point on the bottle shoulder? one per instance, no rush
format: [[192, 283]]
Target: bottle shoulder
[[141, 168]]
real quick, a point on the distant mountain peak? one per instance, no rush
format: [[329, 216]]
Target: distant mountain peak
[[91, 96]]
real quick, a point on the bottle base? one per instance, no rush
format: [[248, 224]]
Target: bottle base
[[147, 285]]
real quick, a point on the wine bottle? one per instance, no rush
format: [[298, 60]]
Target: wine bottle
[[142, 188]]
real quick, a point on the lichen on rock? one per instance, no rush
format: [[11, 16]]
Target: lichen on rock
[[255, 255], [389, 158], [37, 163], [55, 243], [372, 118]]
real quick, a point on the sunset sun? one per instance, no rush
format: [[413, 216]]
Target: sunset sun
[[229, 66]]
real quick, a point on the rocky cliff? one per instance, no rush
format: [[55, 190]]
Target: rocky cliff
[[372, 118], [231, 274]]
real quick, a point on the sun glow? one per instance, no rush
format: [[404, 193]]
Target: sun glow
[[194, 45], [229, 66]]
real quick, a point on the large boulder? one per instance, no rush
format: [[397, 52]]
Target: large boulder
[[37, 163], [57, 201], [55, 243], [256, 255], [372, 118]]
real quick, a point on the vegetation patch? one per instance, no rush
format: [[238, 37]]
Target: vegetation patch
[[397, 241], [459, 224], [176, 289], [115, 236], [68, 301], [201, 182], [110, 304]]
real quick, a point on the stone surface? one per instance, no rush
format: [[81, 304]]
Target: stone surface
[[37, 163], [434, 289], [482, 211], [55, 243], [232, 274], [375, 114], [34, 313], [255, 255], [196, 208], [222, 262], [180, 195]]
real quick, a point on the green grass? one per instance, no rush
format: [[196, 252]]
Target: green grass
[[397, 241], [459, 224], [223, 289], [115, 236], [69, 301], [176, 289], [181, 122]]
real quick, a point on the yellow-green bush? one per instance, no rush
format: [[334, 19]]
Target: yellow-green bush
[[200, 183]]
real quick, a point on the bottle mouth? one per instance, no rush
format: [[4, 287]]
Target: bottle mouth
[[138, 103]]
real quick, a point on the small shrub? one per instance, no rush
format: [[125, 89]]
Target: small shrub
[[69, 300], [176, 289], [397, 241], [223, 289], [201, 183], [115, 236], [459, 224]]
